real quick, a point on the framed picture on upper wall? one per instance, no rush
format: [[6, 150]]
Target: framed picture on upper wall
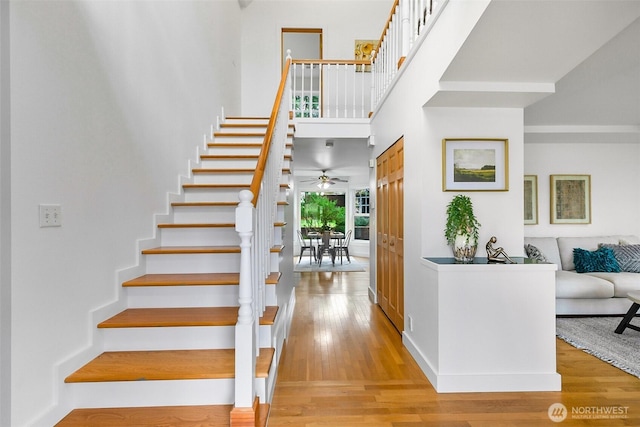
[[363, 51], [530, 199], [475, 164], [570, 199]]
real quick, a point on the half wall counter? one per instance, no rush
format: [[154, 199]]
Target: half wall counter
[[484, 327]]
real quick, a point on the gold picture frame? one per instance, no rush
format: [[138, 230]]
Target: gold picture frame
[[475, 164], [362, 52], [570, 199], [530, 199]]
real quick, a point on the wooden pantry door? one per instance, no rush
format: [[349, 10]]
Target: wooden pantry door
[[390, 233]]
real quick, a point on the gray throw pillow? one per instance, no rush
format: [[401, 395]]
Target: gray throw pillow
[[628, 256], [534, 253]]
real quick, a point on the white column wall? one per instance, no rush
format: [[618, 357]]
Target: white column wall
[[403, 113], [110, 101], [343, 22]]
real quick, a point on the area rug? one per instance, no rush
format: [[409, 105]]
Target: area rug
[[305, 266], [596, 336]]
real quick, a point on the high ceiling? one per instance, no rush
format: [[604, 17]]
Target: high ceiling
[[578, 63], [588, 50]]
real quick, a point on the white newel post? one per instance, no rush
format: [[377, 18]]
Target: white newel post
[[245, 336]]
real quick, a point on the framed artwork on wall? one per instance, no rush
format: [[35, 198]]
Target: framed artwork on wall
[[570, 199], [363, 51], [530, 199], [475, 164]]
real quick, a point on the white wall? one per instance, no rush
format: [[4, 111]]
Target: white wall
[[342, 22], [5, 219], [109, 102], [615, 189]]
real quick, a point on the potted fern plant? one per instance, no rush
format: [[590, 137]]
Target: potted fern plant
[[462, 228]]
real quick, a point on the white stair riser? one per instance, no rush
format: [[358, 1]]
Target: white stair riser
[[192, 263], [152, 393], [182, 296], [226, 163], [207, 236], [230, 178], [212, 195], [220, 195], [204, 214], [241, 120], [226, 236], [240, 149], [206, 163], [176, 338], [223, 178], [190, 296], [242, 129], [231, 137]]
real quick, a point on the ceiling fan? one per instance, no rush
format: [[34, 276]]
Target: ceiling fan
[[324, 181]]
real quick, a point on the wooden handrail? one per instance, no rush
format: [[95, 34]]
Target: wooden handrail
[[266, 145], [330, 61], [386, 27]]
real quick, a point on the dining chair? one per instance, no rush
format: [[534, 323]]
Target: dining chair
[[325, 247], [304, 246], [343, 247]]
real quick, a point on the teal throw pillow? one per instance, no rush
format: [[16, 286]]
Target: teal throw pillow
[[601, 260]]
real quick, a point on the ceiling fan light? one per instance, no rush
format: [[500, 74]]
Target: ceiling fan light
[[325, 184]]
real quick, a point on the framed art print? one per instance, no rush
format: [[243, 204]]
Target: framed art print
[[530, 199], [470, 164], [570, 199]]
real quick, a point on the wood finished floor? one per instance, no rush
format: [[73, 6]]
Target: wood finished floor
[[344, 365]]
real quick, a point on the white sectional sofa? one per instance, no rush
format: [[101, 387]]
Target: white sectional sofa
[[590, 293]]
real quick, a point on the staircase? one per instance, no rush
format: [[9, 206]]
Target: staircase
[[169, 357]]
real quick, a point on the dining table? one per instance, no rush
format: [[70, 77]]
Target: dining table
[[335, 236]]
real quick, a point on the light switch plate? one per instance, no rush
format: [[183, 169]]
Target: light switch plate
[[50, 216]]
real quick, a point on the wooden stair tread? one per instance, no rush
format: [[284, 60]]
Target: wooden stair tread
[[161, 365], [202, 171], [197, 225], [167, 250], [228, 156], [173, 250], [193, 279], [224, 186], [242, 134], [234, 144], [181, 316], [249, 125], [234, 156], [214, 204], [208, 225], [168, 416], [244, 125]]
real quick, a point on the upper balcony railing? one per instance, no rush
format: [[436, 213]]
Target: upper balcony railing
[[331, 89], [408, 20], [353, 89]]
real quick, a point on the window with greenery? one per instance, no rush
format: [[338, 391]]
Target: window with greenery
[[361, 215], [319, 212]]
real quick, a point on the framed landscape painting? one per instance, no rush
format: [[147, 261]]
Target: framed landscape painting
[[530, 199], [570, 199], [470, 164]]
